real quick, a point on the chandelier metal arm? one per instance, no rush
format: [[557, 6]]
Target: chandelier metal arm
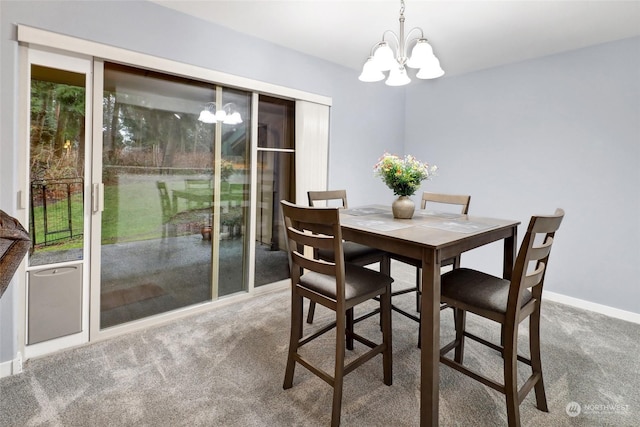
[[402, 42]]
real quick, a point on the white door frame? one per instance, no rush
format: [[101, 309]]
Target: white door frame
[[82, 65]]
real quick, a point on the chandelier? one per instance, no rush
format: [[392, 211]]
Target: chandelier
[[228, 114], [383, 59]]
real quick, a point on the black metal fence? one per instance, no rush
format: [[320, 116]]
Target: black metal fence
[[56, 210]]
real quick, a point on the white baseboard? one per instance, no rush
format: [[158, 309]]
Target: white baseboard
[[592, 306], [11, 367], [5, 369]]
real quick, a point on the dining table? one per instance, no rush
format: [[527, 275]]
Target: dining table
[[429, 236], [200, 196]]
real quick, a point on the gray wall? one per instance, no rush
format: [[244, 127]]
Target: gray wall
[[146, 27], [560, 131]]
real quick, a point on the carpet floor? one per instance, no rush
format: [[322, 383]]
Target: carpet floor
[[226, 367]]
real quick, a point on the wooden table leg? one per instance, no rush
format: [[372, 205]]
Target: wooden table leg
[[510, 249], [430, 351]]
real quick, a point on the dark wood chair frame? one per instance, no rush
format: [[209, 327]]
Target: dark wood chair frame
[[463, 289], [318, 227], [354, 253]]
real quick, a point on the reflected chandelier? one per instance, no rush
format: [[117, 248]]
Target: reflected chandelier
[[382, 58], [228, 115]]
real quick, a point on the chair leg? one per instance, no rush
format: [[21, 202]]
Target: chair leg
[[311, 312], [459, 319], [339, 369], [511, 376], [294, 338], [387, 355], [536, 362], [349, 329]]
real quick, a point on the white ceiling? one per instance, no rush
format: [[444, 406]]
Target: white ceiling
[[466, 35]]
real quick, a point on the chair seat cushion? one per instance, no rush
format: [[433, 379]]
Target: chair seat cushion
[[479, 289], [359, 281], [353, 252]]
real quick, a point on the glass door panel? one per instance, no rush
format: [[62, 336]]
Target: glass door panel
[[168, 156], [275, 182], [56, 170], [232, 201]]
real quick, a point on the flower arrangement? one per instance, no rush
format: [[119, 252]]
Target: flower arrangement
[[403, 176]]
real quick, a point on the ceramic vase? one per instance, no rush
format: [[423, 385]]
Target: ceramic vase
[[403, 207]]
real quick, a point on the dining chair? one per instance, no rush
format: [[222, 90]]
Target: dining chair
[[198, 184], [428, 200], [165, 204], [354, 253], [507, 302], [337, 285]]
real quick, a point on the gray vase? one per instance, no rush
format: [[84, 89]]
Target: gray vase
[[403, 207]]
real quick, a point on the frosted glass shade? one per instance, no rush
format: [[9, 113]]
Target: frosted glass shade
[[383, 57], [207, 116], [370, 73], [398, 77], [431, 71], [421, 55]]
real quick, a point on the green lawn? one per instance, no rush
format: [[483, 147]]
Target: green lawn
[[132, 212]]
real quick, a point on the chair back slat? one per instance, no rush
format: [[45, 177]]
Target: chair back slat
[[328, 196], [535, 277], [306, 238], [542, 251], [312, 264], [448, 199]]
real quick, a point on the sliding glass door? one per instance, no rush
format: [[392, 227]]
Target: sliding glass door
[[175, 179], [150, 194]]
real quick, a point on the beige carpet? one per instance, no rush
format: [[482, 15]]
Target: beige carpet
[[226, 368]]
